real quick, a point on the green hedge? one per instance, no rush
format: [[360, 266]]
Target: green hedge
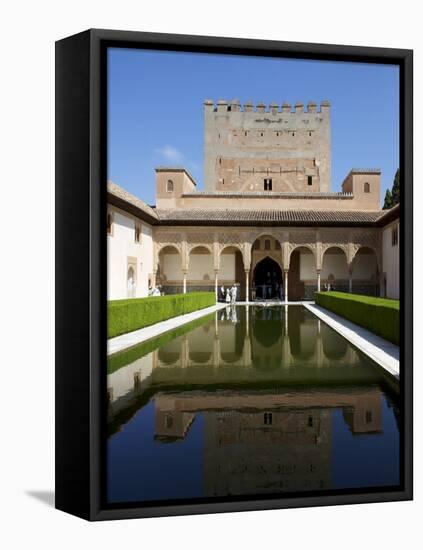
[[127, 315], [379, 315]]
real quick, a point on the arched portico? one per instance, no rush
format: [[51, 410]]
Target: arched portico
[[309, 259], [267, 279], [365, 272], [335, 269]]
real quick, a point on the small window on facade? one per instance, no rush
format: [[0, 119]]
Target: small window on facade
[[137, 233], [277, 133], [245, 133], [109, 224], [268, 418], [309, 180], [268, 184], [169, 186], [220, 161], [261, 133], [309, 134], [394, 236], [367, 187], [169, 421], [267, 244], [293, 134], [368, 417]]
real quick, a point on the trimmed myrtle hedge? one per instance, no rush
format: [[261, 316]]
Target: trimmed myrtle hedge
[[379, 315], [127, 315]]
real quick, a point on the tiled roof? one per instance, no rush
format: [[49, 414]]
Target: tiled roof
[[121, 198], [199, 216], [266, 217], [388, 216]]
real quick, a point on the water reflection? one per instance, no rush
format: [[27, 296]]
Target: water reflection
[[265, 395]]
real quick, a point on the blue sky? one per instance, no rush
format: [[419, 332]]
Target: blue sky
[[155, 109]]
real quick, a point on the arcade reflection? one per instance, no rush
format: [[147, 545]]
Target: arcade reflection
[[257, 400]]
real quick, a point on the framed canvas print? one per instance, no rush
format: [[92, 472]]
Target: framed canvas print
[[234, 274]]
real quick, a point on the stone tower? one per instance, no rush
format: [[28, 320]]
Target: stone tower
[[273, 149]]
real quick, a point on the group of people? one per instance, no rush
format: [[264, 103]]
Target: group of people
[[156, 291], [228, 295], [329, 286]]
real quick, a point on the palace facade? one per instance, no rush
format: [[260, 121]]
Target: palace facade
[[266, 220]]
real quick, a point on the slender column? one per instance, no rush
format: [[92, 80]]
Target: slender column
[[286, 285], [247, 285], [184, 281], [350, 271], [153, 279], [216, 284], [318, 280]]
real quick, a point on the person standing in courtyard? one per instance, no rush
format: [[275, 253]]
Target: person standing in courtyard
[[234, 291], [228, 296], [222, 293]]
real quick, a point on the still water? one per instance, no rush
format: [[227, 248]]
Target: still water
[[248, 401]]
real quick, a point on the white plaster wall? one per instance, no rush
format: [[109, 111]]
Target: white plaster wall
[[307, 267], [364, 266], [227, 267], [171, 266], [199, 266], [335, 264], [391, 262], [121, 245]]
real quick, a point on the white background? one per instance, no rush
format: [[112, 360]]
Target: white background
[[28, 32]]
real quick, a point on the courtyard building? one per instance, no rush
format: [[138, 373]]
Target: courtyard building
[[266, 220]]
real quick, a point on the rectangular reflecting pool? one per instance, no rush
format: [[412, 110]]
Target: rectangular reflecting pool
[[251, 400]]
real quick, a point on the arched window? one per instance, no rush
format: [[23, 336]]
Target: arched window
[[137, 233], [366, 187], [131, 283], [169, 186]]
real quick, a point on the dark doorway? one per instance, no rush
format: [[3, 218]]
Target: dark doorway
[[267, 280]]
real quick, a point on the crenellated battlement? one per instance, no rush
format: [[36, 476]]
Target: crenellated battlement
[[274, 108]]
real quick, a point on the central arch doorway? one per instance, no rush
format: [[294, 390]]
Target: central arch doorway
[[267, 280]]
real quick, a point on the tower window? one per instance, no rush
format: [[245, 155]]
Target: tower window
[[309, 134], [268, 184], [366, 187], [245, 133], [220, 161], [309, 180], [169, 186], [268, 418], [293, 134], [261, 133]]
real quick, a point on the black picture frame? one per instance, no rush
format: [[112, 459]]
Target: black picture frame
[[81, 173]]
